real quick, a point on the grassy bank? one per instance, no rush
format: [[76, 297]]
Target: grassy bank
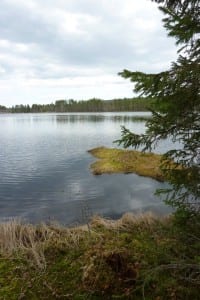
[[135, 257], [113, 160]]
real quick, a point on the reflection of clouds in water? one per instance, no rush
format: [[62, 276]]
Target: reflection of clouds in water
[[46, 170], [76, 190], [142, 186], [134, 203]]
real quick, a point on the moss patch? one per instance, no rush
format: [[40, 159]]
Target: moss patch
[[113, 160], [135, 257]]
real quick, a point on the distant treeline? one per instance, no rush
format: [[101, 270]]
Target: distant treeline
[[92, 105], [3, 109]]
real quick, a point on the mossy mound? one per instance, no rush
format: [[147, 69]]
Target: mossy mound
[[135, 257], [126, 161]]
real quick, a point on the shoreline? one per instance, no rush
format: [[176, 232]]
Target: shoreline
[[128, 258]]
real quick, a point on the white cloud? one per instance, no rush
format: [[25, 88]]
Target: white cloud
[[76, 48]]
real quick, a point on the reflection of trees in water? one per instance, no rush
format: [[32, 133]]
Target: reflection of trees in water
[[79, 118], [99, 118]]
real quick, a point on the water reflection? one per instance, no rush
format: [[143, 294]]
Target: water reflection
[[99, 118], [75, 117], [44, 168]]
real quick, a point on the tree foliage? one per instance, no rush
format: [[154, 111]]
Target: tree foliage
[[91, 105], [176, 108]]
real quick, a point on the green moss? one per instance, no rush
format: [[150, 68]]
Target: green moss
[[131, 258], [126, 161]]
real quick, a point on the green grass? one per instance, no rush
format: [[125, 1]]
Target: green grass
[[113, 160], [135, 257]]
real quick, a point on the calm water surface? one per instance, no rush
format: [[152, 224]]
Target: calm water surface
[[44, 168]]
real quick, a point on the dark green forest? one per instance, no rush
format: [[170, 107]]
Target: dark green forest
[[3, 109], [91, 105]]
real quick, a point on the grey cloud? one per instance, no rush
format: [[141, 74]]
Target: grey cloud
[[110, 44], [19, 24]]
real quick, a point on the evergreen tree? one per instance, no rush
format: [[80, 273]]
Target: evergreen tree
[[176, 108]]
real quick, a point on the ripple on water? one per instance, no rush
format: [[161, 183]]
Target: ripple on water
[[44, 168]]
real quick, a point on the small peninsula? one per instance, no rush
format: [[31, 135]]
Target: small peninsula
[[112, 160]]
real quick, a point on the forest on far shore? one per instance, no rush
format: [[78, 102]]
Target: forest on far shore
[[91, 105]]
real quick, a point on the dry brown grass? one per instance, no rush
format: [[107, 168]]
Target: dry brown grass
[[16, 236], [18, 239], [135, 257], [31, 240], [127, 221]]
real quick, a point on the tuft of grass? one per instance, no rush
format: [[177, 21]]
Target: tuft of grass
[[113, 160], [135, 257], [32, 241]]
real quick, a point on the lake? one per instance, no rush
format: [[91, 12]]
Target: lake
[[44, 168]]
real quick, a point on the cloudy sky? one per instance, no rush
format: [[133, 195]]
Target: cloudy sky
[[74, 48]]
